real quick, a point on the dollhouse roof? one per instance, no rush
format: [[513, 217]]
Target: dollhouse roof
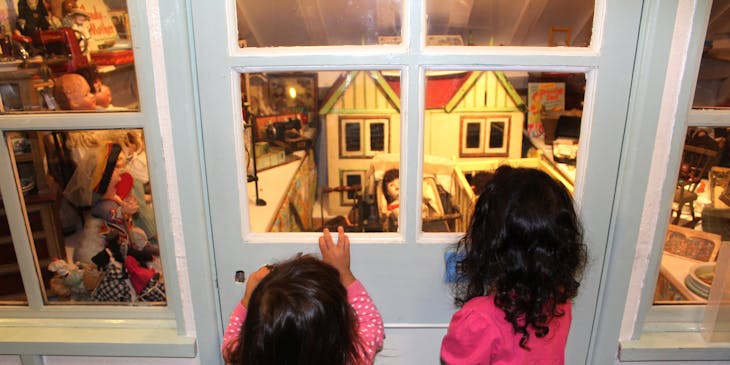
[[444, 90]]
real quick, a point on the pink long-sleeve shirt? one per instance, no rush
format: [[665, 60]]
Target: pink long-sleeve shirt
[[479, 334], [370, 323]]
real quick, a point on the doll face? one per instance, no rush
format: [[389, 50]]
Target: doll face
[[103, 95], [78, 93], [32, 4], [393, 189], [79, 19], [68, 5]]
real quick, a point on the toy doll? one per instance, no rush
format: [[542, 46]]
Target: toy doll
[[70, 281], [32, 16], [78, 20], [72, 92], [391, 191]]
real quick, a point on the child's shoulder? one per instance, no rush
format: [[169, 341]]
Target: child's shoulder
[[483, 305]]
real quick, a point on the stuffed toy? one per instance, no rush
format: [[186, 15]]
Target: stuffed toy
[[68, 280]]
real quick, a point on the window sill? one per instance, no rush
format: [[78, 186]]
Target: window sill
[[673, 346], [79, 337]]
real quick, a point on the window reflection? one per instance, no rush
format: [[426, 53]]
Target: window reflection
[[318, 23], [88, 200], [476, 121], [73, 55], [700, 220], [317, 153], [509, 23], [712, 89]]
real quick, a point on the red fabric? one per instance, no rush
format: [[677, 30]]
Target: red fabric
[[138, 275], [479, 334], [124, 186]]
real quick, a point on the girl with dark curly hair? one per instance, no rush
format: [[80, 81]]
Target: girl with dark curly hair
[[305, 311], [518, 268]]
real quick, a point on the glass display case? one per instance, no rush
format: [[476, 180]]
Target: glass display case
[[88, 206], [74, 55]]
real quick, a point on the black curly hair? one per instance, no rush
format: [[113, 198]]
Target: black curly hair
[[524, 247]]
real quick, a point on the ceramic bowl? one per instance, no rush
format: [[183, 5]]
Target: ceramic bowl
[[700, 277]]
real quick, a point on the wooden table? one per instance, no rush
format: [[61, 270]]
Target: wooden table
[[675, 268]]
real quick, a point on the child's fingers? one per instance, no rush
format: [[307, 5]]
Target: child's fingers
[[326, 239], [322, 245], [342, 240]]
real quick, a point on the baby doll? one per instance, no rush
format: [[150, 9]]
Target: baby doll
[[391, 191], [72, 92]]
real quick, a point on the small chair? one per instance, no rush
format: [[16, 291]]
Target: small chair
[[696, 163]]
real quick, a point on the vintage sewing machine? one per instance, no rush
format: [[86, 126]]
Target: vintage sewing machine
[[288, 135], [61, 50]]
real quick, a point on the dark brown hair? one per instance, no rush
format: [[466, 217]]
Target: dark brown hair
[[299, 314]]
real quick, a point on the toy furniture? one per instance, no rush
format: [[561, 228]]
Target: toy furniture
[[696, 163]]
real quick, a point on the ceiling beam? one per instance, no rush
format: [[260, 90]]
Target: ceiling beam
[[531, 11], [387, 17], [459, 13], [719, 11], [311, 15]]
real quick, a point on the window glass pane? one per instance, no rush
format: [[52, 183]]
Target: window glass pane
[[339, 135], [474, 123], [281, 23], [473, 135], [496, 134], [700, 219], [73, 55], [377, 136], [11, 284], [509, 23], [712, 81], [88, 199], [352, 137]]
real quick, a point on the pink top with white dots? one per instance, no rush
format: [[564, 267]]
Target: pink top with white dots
[[370, 322]]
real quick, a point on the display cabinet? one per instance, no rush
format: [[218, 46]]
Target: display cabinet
[[42, 212]]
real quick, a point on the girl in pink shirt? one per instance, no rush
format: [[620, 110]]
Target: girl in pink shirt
[[518, 269], [305, 311]]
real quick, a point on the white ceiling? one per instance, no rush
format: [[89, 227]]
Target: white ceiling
[[352, 22]]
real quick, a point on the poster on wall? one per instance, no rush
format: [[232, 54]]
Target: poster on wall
[[102, 29], [541, 97]]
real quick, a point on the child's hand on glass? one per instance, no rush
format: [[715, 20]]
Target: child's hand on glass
[[337, 255], [252, 282]]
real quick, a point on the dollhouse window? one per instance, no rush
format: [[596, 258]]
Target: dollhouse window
[[354, 180], [353, 138], [484, 136], [497, 134], [364, 137]]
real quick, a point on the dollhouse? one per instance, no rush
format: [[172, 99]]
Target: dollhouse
[[471, 118]]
